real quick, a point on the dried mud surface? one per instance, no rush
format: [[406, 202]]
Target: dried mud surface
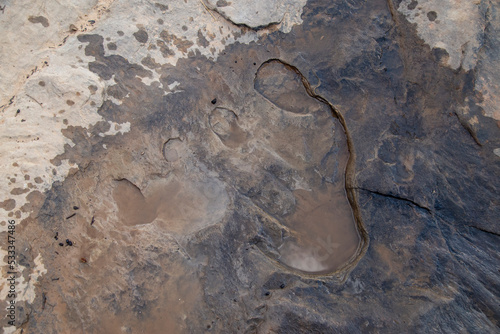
[[339, 177]]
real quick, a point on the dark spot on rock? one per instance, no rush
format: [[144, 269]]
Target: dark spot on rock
[[33, 200], [38, 179], [120, 33], [69, 102], [412, 5], [282, 285], [72, 27], [214, 101], [160, 21], [39, 19], [19, 191], [26, 177], [69, 242], [92, 89], [441, 55], [92, 103], [202, 41], [222, 3], [71, 216], [111, 46], [181, 44], [41, 83], [141, 36], [267, 293], [61, 244], [107, 66], [8, 204], [161, 6], [56, 236], [254, 64], [164, 49], [185, 28], [95, 47], [75, 207], [432, 16], [150, 62]]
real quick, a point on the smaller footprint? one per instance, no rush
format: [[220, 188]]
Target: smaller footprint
[[224, 123], [172, 149]]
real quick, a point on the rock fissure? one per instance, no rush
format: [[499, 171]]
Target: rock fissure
[[396, 198], [484, 230]]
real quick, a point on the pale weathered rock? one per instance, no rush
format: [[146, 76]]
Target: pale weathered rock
[[30, 30], [455, 26], [488, 70], [260, 14]]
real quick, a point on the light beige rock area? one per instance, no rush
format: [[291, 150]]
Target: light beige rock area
[[459, 27], [258, 14]]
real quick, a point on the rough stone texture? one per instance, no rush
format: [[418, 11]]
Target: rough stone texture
[[260, 14], [166, 150]]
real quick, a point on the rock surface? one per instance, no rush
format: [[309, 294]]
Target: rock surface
[[260, 14], [329, 166]]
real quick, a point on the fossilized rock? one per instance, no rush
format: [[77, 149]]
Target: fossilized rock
[[329, 166]]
